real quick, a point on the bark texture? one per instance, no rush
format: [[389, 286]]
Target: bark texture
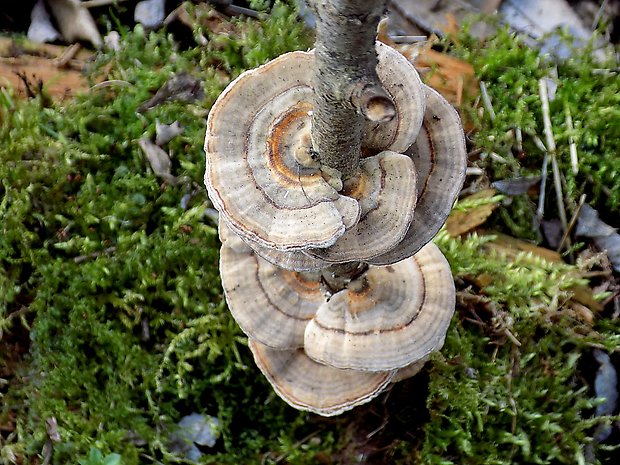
[[347, 89]]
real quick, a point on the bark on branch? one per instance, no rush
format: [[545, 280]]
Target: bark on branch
[[347, 89]]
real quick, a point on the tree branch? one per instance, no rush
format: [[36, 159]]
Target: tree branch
[[347, 89]]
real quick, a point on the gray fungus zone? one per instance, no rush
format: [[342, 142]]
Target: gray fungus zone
[[325, 338]]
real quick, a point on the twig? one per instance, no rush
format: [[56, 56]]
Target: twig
[[572, 222], [90, 256], [574, 161], [539, 143], [474, 171], [512, 337], [407, 39], [110, 83], [232, 10], [347, 90], [486, 101], [557, 182], [599, 15], [519, 139], [540, 211], [498, 158], [67, 55], [377, 429]]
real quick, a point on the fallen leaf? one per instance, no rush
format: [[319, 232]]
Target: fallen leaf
[[150, 13], [158, 159], [41, 28], [604, 236], [553, 231], [516, 186], [511, 246], [166, 132], [75, 22], [462, 222], [181, 87]]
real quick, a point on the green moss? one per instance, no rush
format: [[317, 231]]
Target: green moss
[[115, 275], [586, 89], [119, 277], [513, 353]]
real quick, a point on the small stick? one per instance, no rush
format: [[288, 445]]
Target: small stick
[[572, 222], [574, 161], [111, 83], [599, 15], [474, 171], [486, 101], [233, 10], [519, 139], [407, 39], [542, 87], [512, 337], [90, 256], [539, 143], [67, 55], [498, 158], [540, 211]]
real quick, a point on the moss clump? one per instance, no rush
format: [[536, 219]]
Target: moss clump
[[514, 354], [118, 271], [587, 89]]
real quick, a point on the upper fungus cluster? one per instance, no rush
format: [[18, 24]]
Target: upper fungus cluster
[[334, 279]]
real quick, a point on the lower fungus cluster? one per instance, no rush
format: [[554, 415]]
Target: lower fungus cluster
[[334, 280]]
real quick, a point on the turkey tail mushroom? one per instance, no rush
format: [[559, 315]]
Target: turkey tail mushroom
[[270, 304], [440, 158], [385, 188], [308, 385], [389, 318], [262, 173], [303, 247]]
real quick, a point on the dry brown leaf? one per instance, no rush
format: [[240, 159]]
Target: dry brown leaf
[[511, 246], [58, 68], [452, 77], [463, 222]]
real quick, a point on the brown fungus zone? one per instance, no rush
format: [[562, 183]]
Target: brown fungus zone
[[301, 246]]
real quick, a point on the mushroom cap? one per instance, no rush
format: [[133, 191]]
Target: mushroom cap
[[259, 174], [387, 319], [385, 188], [409, 371], [270, 304], [402, 82], [440, 158], [294, 260], [304, 384], [262, 174], [229, 239]]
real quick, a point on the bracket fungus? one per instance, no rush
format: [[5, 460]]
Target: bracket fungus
[[331, 275], [388, 318]]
